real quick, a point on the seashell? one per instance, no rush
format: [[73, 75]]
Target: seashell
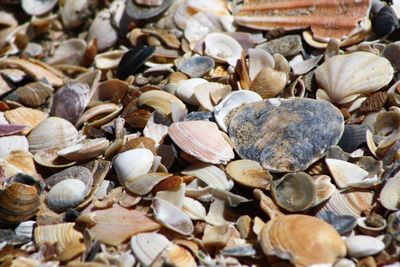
[[305, 66], [345, 173], [389, 195], [223, 48], [287, 46], [160, 101], [393, 225], [342, 223], [18, 202], [266, 140], [25, 229], [49, 158], [362, 245], [74, 13], [63, 234], [139, 141], [259, 59], [209, 174], [185, 90], [387, 122], [390, 52], [366, 80], [249, 173], [171, 217], [137, 118], [23, 160], [173, 195], [323, 18], [349, 202], [32, 94], [70, 52], [88, 149], [101, 29], [148, 246], [194, 209], [94, 112], [353, 137], [66, 194], [268, 83], [76, 172], [325, 188], [229, 103], [199, 25], [108, 60], [132, 60], [25, 116], [385, 22], [196, 67], [51, 133], [143, 184], [72, 251], [374, 102], [296, 237], [113, 90], [372, 230], [211, 148], [127, 167], [12, 143], [294, 192], [202, 93], [218, 235], [141, 12], [11, 129], [70, 101], [37, 8]]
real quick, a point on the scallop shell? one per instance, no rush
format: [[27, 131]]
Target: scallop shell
[[66, 194], [249, 173], [211, 147], [88, 149], [223, 48], [63, 234], [297, 237], [51, 133], [390, 195], [209, 174], [133, 163], [171, 217], [148, 246], [11, 143], [18, 202], [25, 116], [294, 192], [359, 72], [327, 20]]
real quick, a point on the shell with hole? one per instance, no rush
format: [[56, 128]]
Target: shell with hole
[[357, 73], [66, 194]]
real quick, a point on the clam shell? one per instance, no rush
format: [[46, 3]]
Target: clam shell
[[196, 67], [287, 46], [66, 194], [25, 116], [143, 184], [74, 13], [259, 59], [70, 52], [222, 48], [358, 72], [229, 103], [23, 160], [249, 173], [63, 234], [171, 217], [51, 133], [185, 90], [76, 172], [179, 256], [133, 163], [88, 149], [268, 83], [101, 29], [106, 110], [194, 209], [18, 202], [11, 143], [327, 20], [390, 195], [160, 101], [294, 192], [202, 93], [32, 94], [257, 132], [345, 173], [297, 237], [362, 245], [211, 148], [148, 246], [209, 174]]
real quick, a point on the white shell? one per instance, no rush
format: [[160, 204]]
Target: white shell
[[343, 77], [25, 229], [174, 196], [390, 193], [345, 173], [185, 90], [194, 209], [10, 143], [259, 59], [143, 184], [209, 174], [230, 102], [223, 48], [66, 194], [148, 246], [133, 163], [88, 149], [363, 245]]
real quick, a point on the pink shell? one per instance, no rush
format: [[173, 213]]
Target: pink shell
[[10, 129], [202, 140]]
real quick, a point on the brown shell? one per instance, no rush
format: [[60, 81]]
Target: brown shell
[[135, 143], [374, 102], [32, 94], [18, 203], [25, 116], [327, 19]]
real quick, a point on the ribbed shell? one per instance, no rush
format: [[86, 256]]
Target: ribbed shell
[[66, 194], [63, 234]]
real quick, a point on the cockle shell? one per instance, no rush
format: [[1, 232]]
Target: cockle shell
[[148, 246], [327, 20], [51, 133], [66, 194], [297, 237], [223, 48], [358, 72], [211, 147], [63, 233]]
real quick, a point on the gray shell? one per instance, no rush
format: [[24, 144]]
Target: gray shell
[[288, 137]]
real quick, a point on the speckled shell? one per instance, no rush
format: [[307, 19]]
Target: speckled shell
[[287, 137]]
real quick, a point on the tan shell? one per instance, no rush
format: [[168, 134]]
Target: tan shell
[[191, 137], [210, 175], [51, 133], [32, 94], [180, 257], [88, 149], [93, 112], [18, 203], [143, 184], [298, 237], [249, 173], [49, 158], [358, 73], [390, 195], [160, 101], [148, 246], [63, 233], [25, 116], [23, 160], [269, 82]]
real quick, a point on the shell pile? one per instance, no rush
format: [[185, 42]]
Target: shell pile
[[199, 133]]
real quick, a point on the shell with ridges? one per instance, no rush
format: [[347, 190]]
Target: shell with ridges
[[209, 174], [160, 101], [25, 116], [63, 233], [148, 246]]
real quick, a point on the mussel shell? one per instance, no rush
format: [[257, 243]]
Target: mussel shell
[[199, 116], [385, 22], [353, 136], [132, 60], [140, 12]]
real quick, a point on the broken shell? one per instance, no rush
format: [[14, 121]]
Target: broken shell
[[258, 134], [108, 60], [194, 209], [323, 18], [362, 245], [160, 101], [374, 102], [66, 194], [249, 173], [357, 74], [345, 173], [148, 246], [37, 8], [179, 256], [390, 195], [190, 137], [268, 83], [12, 143], [143, 184], [296, 237], [70, 52], [25, 229], [32, 94], [11, 129], [18, 203], [259, 59], [209, 174], [51, 133], [62, 233], [344, 224], [370, 230], [202, 93], [294, 192], [25, 116], [49, 158], [101, 29], [229, 103], [223, 48], [197, 67], [172, 217], [88, 149], [138, 142], [325, 188], [185, 90]]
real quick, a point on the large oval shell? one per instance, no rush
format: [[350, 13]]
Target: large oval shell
[[66, 194], [202, 140], [343, 77]]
